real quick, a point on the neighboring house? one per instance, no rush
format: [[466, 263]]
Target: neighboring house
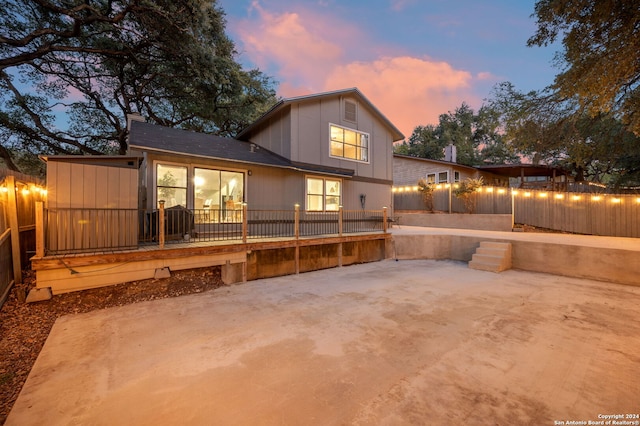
[[408, 170], [319, 151]]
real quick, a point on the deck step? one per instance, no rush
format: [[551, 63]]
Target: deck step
[[492, 256]]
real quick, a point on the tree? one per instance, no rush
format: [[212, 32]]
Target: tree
[[466, 191], [558, 132], [90, 63], [476, 137], [601, 56]]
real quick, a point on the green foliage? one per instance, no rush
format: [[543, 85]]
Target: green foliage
[[601, 58], [84, 66], [476, 137], [466, 190], [552, 131]]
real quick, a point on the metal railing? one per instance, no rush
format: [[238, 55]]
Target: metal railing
[[71, 230]]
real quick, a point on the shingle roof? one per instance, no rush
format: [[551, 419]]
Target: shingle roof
[[152, 137]]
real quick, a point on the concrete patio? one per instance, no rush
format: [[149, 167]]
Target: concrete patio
[[391, 342]]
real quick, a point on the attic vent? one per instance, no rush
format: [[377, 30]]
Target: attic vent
[[350, 111]]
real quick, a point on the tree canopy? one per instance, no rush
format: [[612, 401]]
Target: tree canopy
[[600, 60], [475, 135], [71, 71]]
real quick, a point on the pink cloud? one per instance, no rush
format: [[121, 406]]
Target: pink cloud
[[296, 43], [307, 58], [408, 91]]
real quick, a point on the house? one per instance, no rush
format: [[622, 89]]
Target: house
[[408, 170], [302, 188], [319, 152]]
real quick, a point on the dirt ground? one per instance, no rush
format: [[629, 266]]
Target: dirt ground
[[25, 327], [385, 343]]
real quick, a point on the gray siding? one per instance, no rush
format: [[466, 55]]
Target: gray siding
[[276, 134], [377, 195], [407, 171], [310, 137]]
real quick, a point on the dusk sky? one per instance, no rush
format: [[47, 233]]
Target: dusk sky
[[413, 59]]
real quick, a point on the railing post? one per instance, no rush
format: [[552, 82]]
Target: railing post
[[244, 222], [161, 224], [340, 220], [297, 221], [296, 225], [39, 229], [384, 220]]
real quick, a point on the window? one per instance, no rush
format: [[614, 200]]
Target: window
[[456, 176], [323, 194], [347, 143], [219, 194], [171, 183], [441, 177], [350, 111]]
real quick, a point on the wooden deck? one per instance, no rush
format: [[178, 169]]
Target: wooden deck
[[70, 272]]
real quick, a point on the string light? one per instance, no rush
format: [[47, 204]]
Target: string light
[[543, 195], [575, 197], [501, 191], [616, 200], [489, 189], [559, 196], [596, 198]]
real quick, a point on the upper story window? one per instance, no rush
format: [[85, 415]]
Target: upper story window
[[348, 143]]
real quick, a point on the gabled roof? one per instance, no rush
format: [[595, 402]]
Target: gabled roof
[[151, 137], [286, 102]]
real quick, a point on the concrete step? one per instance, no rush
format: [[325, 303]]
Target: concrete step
[[491, 267], [492, 256], [495, 244], [500, 252]]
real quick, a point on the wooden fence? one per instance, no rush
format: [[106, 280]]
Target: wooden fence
[[18, 195], [616, 215]]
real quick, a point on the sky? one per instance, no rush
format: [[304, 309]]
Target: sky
[[413, 59]]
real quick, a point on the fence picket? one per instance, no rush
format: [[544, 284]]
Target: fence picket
[[615, 215]]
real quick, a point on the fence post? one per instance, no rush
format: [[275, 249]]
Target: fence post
[[161, 224], [244, 222], [39, 229], [513, 209], [340, 221], [297, 221], [384, 220], [14, 225], [296, 226]]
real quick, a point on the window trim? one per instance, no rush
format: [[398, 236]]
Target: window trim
[[359, 132], [155, 181], [324, 180], [191, 167]]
